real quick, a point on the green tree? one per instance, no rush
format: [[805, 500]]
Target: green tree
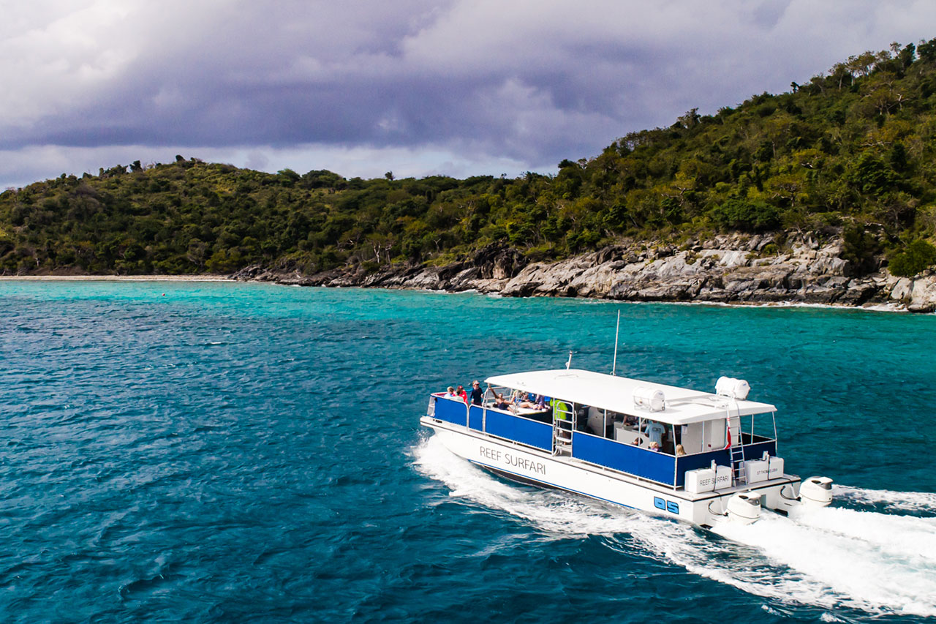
[[749, 216], [860, 248], [918, 256]]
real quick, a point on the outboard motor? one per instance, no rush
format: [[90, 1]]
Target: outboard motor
[[744, 508], [816, 492]]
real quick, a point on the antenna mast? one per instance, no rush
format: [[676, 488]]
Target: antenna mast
[[616, 332]]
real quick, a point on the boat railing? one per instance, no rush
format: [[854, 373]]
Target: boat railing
[[500, 423], [623, 457], [656, 466], [450, 410], [517, 428]]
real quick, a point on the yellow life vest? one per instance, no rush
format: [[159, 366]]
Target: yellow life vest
[[561, 409]]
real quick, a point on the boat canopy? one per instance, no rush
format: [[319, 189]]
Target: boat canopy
[[616, 394]]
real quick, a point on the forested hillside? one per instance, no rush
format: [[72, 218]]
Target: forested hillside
[[851, 149]]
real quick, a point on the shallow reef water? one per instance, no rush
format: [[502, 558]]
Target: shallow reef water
[[205, 452]]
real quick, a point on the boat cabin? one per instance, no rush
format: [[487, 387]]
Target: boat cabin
[[652, 431]]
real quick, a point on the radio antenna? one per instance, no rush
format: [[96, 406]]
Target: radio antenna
[[616, 332], [569, 363]]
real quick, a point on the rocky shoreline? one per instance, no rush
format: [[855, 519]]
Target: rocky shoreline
[[728, 269]]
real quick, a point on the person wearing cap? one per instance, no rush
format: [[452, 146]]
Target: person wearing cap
[[462, 394], [477, 394]]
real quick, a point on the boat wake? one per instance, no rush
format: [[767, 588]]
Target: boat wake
[[831, 558], [884, 500]]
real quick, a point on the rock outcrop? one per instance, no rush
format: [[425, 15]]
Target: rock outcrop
[[725, 269]]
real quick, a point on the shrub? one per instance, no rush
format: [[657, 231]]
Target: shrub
[[918, 256], [859, 248], [756, 216]]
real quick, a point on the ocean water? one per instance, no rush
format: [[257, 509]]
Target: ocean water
[[206, 452]]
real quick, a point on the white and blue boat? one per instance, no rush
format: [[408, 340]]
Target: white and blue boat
[[701, 457]]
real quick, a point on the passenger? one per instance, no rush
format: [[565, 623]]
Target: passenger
[[500, 402], [450, 393], [477, 394], [462, 394], [680, 451], [655, 432], [534, 402], [655, 447]]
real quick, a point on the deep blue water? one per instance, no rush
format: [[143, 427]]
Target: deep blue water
[[206, 452]]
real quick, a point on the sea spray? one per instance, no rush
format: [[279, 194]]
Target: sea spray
[[923, 503]]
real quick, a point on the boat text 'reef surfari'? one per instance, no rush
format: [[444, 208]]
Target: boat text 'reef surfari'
[[698, 456]]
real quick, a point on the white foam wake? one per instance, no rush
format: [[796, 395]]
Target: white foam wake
[[828, 558], [924, 502], [870, 561]]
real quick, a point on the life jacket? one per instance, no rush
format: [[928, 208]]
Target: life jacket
[[561, 409]]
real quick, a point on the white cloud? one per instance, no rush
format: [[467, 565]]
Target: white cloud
[[49, 66]]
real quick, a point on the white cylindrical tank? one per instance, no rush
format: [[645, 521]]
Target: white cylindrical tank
[[816, 491], [744, 508], [649, 399], [731, 387]]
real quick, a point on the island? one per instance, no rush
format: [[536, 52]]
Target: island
[[824, 194]]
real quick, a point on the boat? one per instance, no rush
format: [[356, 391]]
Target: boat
[[696, 456]]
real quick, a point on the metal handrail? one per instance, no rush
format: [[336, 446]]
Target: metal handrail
[[467, 406]]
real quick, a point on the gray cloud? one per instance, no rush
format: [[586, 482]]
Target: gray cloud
[[525, 83]]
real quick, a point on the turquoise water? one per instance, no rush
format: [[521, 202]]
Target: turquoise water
[[207, 452]]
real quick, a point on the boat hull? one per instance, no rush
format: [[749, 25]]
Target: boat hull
[[529, 465]]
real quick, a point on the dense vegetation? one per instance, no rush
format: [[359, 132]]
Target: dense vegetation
[[852, 149]]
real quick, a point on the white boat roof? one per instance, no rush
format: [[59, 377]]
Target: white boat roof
[[682, 405]]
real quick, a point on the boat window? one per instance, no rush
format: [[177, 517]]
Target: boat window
[[691, 437], [622, 428], [596, 422], [519, 403], [600, 422], [757, 428]]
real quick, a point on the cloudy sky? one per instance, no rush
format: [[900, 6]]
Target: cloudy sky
[[455, 87]]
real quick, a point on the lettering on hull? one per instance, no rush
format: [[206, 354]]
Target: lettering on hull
[[512, 460]]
